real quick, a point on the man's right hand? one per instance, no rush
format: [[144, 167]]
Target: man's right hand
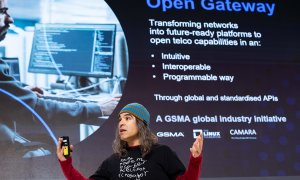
[[38, 91], [59, 150]]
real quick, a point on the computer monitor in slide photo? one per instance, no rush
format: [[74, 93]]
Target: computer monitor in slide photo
[[73, 49]]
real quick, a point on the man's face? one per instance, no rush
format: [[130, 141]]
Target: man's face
[[128, 129], [5, 19]]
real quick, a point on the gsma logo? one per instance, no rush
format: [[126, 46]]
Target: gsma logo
[[170, 134]]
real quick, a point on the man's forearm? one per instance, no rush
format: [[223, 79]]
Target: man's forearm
[[193, 170], [69, 171]]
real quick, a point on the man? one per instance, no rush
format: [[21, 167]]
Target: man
[[5, 19], [16, 119], [137, 153]]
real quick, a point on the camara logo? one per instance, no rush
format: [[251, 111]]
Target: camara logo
[[207, 134], [243, 133]]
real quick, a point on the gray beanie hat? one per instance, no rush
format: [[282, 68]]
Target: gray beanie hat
[[138, 111]]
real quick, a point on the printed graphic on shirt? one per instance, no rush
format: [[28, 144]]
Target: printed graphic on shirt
[[133, 168]]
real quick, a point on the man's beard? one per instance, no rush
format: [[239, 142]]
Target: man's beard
[[3, 32], [2, 36]]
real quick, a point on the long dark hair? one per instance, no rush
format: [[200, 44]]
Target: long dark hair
[[147, 139]]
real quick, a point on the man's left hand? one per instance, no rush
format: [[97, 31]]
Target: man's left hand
[[196, 149]]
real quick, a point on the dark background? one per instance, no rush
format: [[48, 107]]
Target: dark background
[[272, 68]]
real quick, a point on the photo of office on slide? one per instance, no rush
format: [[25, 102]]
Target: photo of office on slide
[[63, 69]]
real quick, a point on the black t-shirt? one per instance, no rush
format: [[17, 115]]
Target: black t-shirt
[[161, 163]]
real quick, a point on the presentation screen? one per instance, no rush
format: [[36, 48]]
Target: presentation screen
[[226, 68]]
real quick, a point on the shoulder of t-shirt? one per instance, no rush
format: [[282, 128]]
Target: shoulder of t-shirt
[[110, 160], [114, 156]]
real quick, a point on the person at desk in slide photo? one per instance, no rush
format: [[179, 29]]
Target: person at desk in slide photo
[[137, 153], [16, 121]]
